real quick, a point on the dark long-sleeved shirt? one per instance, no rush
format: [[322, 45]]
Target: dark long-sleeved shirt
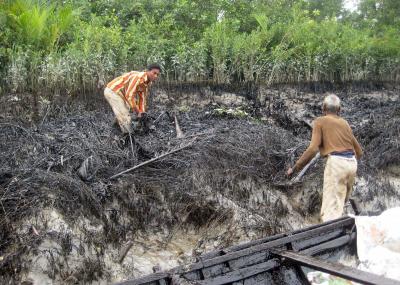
[[331, 133]]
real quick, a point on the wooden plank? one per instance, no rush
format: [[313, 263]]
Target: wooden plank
[[337, 269], [216, 270], [265, 246], [286, 275], [301, 275], [211, 254], [220, 252], [299, 245], [259, 279], [274, 237], [335, 243], [321, 224], [253, 243], [178, 280], [146, 279], [242, 273], [249, 260], [194, 275]]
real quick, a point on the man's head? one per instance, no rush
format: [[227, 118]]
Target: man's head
[[153, 71], [331, 104]]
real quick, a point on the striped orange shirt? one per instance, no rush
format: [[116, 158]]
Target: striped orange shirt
[[133, 88]]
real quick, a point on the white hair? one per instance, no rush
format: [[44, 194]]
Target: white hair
[[331, 103]]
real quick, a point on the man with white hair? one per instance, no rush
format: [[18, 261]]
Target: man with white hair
[[334, 139]]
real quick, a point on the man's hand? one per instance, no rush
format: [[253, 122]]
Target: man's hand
[[289, 172], [134, 116], [142, 115]]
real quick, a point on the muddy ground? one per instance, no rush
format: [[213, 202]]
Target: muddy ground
[[63, 220]]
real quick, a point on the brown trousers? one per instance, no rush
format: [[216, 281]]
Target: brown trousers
[[120, 109], [339, 176]]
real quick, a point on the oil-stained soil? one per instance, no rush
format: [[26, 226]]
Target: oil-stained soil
[[63, 220]]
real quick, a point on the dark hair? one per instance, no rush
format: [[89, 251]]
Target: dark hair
[[154, 66]]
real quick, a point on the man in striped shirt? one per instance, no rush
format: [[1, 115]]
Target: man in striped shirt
[[128, 93]]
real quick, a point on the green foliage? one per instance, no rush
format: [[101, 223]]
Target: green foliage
[[381, 12], [325, 9], [219, 38], [230, 112], [35, 25], [72, 46], [190, 63]]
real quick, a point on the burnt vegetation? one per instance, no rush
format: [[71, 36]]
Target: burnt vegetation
[[63, 162]]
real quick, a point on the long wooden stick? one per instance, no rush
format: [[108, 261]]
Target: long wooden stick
[[336, 269], [301, 173], [179, 133], [130, 139], [150, 161], [124, 251]]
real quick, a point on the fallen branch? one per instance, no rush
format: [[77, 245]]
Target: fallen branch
[[179, 133], [130, 139], [150, 161], [124, 251]]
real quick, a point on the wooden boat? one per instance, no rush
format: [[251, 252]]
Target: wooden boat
[[279, 259]]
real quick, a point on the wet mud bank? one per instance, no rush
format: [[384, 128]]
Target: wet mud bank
[[63, 220]]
